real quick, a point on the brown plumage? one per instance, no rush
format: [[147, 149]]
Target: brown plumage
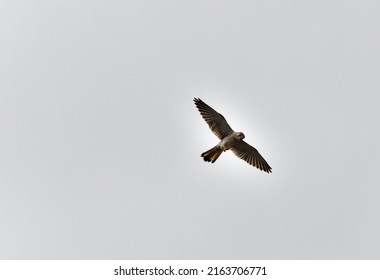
[[230, 140]]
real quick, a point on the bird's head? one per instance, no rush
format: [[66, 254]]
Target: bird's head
[[240, 135]]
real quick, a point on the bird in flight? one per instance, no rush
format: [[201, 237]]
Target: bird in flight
[[230, 140]]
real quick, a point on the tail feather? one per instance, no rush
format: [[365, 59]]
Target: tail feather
[[212, 154]]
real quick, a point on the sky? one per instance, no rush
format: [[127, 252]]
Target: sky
[[100, 140]]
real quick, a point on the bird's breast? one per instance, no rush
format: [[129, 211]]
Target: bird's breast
[[228, 142]]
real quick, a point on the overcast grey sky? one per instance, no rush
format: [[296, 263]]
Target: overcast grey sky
[[100, 140]]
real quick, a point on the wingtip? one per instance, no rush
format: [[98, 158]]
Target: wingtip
[[196, 100]]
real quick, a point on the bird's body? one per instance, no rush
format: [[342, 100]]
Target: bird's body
[[225, 144], [230, 140]]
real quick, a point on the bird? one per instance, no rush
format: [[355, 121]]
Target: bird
[[229, 139]]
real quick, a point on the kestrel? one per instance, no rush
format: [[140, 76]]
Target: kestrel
[[230, 140]]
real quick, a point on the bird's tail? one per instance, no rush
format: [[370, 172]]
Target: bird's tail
[[212, 154]]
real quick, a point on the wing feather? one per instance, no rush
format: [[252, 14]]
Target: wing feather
[[248, 153], [215, 121]]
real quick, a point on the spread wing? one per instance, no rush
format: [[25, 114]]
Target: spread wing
[[248, 153], [215, 121]]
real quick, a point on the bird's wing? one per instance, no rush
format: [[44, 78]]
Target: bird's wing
[[215, 121], [248, 153]]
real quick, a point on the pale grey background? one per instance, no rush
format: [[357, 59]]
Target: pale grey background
[[100, 141]]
